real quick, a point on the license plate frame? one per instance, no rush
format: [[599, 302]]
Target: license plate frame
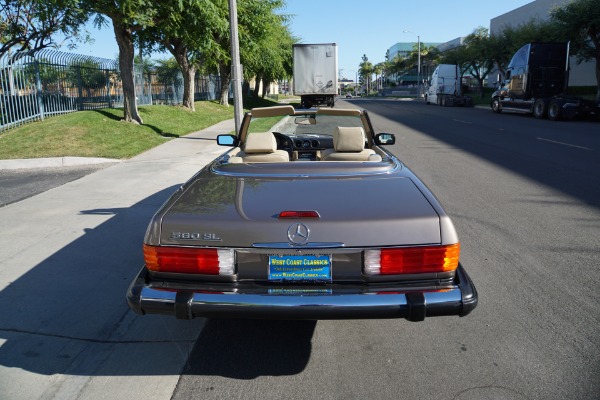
[[300, 268]]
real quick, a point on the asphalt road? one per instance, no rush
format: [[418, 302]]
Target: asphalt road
[[524, 195], [20, 184]]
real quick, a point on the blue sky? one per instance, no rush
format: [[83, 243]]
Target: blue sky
[[364, 27]]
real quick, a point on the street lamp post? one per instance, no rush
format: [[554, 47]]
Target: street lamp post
[[238, 109], [418, 63]]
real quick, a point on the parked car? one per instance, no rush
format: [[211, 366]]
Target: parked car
[[306, 216], [348, 95]]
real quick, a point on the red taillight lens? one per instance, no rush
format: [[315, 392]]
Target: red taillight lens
[[412, 260], [187, 260]]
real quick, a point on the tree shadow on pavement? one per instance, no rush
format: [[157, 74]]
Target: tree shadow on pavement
[[68, 314]]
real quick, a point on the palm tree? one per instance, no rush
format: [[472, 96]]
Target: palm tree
[[366, 70], [377, 70]]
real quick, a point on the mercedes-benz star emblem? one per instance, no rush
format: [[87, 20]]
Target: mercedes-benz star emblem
[[298, 234]]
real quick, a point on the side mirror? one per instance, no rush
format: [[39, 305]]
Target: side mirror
[[227, 140], [385, 139]]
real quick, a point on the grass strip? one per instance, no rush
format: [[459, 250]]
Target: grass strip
[[102, 133]]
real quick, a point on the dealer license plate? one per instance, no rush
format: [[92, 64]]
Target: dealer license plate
[[300, 268]]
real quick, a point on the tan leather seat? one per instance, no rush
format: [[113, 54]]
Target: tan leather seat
[[260, 147], [349, 145]]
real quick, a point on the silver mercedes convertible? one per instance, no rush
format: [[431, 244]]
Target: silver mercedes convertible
[[306, 216]]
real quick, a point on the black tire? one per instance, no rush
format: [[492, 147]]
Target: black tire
[[426, 100], [554, 110], [540, 109], [496, 105]]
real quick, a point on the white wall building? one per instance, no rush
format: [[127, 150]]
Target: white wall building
[[580, 75]]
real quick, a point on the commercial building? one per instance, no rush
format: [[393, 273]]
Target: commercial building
[[539, 10], [580, 74], [405, 48]]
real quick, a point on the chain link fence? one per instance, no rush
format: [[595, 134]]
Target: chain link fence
[[49, 82]]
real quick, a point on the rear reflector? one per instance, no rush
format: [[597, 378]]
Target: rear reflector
[[412, 260], [299, 214], [187, 260]]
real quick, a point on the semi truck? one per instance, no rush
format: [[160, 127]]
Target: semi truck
[[315, 74], [445, 87], [536, 82]]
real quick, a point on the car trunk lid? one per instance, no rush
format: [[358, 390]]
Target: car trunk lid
[[361, 211]]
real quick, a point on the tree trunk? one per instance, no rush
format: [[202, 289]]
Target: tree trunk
[[189, 78], [245, 88], [481, 87], [225, 73], [257, 80], [188, 70], [265, 87], [124, 38], [479, 77]]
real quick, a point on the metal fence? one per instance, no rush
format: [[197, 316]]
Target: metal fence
[[36, 86]]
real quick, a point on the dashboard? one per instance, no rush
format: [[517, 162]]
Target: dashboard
[[306, 145]]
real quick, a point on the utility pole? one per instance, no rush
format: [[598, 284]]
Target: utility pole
[[235, 65], [418, 62]]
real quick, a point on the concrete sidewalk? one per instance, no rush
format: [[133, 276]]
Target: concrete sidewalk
[[67, 257]]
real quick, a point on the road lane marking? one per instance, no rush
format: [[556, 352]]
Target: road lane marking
[[464, 122], [565, 144]]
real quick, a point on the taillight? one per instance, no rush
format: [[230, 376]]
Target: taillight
[[299, 214], [188, 260], [412, 260]]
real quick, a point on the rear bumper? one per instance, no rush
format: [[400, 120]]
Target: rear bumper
[[281, 303]]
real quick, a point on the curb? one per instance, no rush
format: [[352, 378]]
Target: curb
[[53, 162]]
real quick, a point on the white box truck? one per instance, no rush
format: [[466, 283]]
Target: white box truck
[[445, 87], [315, 74]]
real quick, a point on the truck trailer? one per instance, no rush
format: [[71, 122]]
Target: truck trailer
[[445, 88], [315, 74], [536, 83]]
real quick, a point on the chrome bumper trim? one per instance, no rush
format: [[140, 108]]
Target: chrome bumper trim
[[459, 300], [287, 245]]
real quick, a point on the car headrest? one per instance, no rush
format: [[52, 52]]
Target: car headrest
[[260, 142], [349, 139]]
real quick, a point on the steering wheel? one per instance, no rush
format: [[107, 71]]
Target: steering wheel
[[283, 142]]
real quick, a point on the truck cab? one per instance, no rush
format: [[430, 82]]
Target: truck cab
[[536, 77], [444, 87]]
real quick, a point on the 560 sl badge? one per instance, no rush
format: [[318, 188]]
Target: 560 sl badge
[[210, 237]]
